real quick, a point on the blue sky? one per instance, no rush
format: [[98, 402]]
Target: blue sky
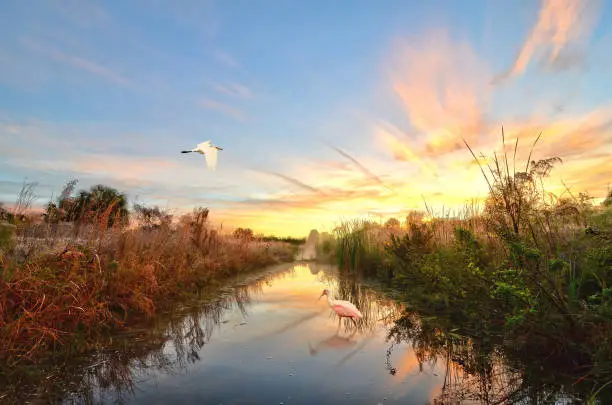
[[112, 91]]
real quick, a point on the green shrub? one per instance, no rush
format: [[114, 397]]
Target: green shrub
[[7, 237]]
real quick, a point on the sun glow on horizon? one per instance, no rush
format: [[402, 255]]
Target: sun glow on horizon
[[406, 151]]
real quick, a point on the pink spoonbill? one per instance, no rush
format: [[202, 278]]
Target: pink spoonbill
[[344, 309]]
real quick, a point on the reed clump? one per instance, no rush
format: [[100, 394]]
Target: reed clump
[[527, 267], [69, 279]]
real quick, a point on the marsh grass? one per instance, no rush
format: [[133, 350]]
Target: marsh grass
[[359, 243], [526, 266], [483, 371], [168, 344], [62, 284]]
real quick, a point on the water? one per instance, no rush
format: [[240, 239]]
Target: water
[[268, 340]]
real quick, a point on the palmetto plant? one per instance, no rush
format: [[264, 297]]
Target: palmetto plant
[[87, 206]]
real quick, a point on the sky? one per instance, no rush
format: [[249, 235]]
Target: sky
[[326, 111]]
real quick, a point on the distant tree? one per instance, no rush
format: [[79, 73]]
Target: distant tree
[[393, 223], [414, 217], [151, 217], [101, 200], [243, 233], [608, 201], [87, 206], [52, 213], [287, 239], [5, 214]]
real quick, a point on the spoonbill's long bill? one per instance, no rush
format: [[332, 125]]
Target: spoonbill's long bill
[[209, 151], [344, 309]]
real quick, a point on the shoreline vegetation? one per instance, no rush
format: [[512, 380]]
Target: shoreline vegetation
[[528, 275], [522, 284], [89, 266], [120, 359]]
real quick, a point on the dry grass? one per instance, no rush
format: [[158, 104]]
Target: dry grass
[[168, 345], [58, 288]]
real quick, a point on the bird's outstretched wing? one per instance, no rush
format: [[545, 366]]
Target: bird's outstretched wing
[[211, 158], [210, 154], [204, 146]]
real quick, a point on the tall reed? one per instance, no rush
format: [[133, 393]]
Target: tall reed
[[527, 264]]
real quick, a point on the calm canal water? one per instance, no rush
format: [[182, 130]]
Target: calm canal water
[[267, 340]]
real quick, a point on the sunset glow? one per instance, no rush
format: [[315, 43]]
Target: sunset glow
[[316, 125]]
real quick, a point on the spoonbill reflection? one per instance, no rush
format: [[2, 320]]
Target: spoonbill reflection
[[209, 151], [343, 309], [335, 341]]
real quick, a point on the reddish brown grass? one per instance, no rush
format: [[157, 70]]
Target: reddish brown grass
[[52, 297]]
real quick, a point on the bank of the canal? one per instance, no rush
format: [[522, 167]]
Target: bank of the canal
[[265, 338]]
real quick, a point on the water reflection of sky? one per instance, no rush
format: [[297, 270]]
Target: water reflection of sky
[[285, 349]]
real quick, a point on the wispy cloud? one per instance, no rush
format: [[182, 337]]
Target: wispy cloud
[[361, 167], [37, 151], [560, 24], [139, 170], [328, 200], [226, 59], [198, 18], [76, 62], [234, 89], [296, 182], [82, 13], [441, 85], [226, 109]]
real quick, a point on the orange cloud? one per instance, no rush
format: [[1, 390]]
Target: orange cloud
[[443, 88], [581, 136], [575, 136], [582, 141], [561, 23], [440, 85], [390, 135]]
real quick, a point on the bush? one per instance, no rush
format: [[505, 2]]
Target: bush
[[533, 268], [63, 288]]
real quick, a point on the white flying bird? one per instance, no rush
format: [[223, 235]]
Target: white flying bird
[[209, 151]]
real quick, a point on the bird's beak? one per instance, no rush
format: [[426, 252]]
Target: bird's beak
[[218, 148]]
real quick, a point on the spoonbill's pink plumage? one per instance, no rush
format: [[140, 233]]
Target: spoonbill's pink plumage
[[344, 309]]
